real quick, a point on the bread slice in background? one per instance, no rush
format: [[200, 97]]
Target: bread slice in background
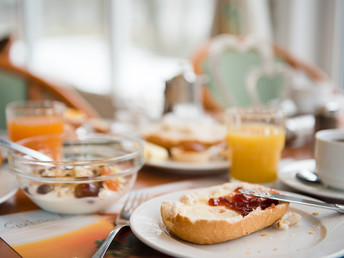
[[192, 153], [192, 219], [154, 153], [171, 132]]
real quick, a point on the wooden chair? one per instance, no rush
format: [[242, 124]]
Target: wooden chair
[[5, 46], [235, 64], [19, 84]]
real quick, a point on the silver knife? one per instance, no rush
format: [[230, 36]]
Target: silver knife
[[293, 199]]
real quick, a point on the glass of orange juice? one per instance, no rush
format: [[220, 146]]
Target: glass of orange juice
[[255, 137], [34, 118]]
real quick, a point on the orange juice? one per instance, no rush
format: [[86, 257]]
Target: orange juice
[[31, 118], [29, 126], [255, 152]]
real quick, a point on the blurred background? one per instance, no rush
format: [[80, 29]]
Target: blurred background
[[122, 52]]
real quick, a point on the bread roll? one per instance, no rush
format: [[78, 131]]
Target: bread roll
[[193, 219], [153, 152], [191, 152], [171, 132]]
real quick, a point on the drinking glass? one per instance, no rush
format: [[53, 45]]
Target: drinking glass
[[27, 119], [255, 137]]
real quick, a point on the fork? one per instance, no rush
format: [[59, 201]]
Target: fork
[[133, 200]]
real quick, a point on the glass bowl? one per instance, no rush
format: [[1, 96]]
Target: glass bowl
[[88, 175]]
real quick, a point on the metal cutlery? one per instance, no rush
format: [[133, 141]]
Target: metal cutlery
[[24, 150], [308, 176], [133, 200], [293, 199]]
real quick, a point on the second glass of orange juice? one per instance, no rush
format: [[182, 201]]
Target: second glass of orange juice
[[34, 118], [255, 137]]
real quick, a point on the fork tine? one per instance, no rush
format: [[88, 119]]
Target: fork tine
[[127, 200], [138, 197], [144, 197], [133, 196], [140, 200], [133, 200]]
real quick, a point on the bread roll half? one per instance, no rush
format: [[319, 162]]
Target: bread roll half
[[192, 152], [193, 219]]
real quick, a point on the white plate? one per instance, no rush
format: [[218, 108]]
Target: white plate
[[314, 236], [8, 184], [211, 167], [287, 176]]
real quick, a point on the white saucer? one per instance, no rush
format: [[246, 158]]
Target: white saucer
[[8, 184], [287, 176]]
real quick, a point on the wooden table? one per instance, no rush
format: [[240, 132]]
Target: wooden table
[[147, 177]]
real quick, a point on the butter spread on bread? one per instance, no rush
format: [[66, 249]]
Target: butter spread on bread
[[196, 219]]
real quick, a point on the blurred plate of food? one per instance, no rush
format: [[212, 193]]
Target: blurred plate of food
[[181, 145], [186, 146]]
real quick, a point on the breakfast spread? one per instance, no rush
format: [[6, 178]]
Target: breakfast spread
[[186, 140], [75, 198], [220, 213]]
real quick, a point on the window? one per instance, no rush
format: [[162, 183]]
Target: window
[[128, 49], [125, 48]]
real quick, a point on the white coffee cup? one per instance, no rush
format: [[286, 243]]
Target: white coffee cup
[[329, 157]]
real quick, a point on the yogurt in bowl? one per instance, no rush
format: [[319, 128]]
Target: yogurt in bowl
[[91, 173]]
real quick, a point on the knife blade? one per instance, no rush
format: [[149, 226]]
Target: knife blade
[[293, 199]]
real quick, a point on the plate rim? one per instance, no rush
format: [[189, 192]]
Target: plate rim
[[175, 196], [184, 166], [11, 181]]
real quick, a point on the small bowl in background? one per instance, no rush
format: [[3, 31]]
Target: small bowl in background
[[90, 174]]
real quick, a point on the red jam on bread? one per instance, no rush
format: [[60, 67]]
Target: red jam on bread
[[241, 202], [220, 213]]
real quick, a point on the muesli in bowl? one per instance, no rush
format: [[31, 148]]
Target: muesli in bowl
[[89, 173]]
